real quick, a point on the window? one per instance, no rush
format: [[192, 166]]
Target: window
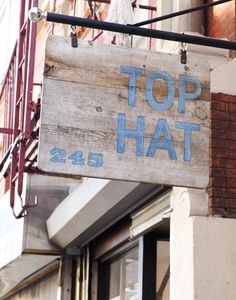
[[136, 271], [123, 281]]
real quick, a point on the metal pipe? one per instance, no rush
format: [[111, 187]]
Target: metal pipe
[[6, 130], [19, 78], [28, 88], [133, 30], [141, 6], [179, 13]]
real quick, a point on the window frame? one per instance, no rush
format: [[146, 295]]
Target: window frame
[[147, 266]]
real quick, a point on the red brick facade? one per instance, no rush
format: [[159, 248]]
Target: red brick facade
[[221, 22], [222, 185]]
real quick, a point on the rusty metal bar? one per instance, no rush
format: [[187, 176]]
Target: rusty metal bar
[[10, 116], [180, 13], [147, 7], [23, 82], [30, 77], [16, 92], [8, 69], [19, 78], [28, 86], [23, 110], [6, 130], [97, 36]]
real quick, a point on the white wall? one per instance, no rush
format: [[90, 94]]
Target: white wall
[[202, 250], [181, 254], [11, 232], [188, 22], [9, 24]]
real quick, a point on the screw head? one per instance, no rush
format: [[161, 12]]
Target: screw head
[[36, 14]]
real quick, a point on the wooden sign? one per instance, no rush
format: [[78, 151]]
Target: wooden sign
[[122, 113]]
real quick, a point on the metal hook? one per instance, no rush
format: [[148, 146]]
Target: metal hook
[[184, 45], [183, 53], [73, 28], [74, 41]]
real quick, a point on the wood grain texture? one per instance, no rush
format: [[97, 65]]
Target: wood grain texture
[[83, 93]]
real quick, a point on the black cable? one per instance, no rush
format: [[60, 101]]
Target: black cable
[[179, 13]]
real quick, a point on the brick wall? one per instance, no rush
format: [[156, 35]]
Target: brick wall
[[222, 185], [221, 22]]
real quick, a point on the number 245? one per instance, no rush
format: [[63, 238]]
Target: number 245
[[59, 155]]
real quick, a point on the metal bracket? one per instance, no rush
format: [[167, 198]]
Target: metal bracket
[[24, 211], [183, 53], [73, 35], [139, 31], [34, 106], [6, 130]]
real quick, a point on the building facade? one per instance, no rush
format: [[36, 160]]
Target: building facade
[[73, 237]]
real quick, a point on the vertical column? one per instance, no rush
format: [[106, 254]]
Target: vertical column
[[202, 250]]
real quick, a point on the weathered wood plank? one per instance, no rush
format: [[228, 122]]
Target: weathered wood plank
[[85, 102], [80, 65]]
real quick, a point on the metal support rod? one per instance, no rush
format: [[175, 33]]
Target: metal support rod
[[6, 130], [179, 13], [141, 6], [133, 30], [18, 84]]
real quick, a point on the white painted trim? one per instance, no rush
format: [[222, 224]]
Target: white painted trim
[[202, 250], [86, 205], [19, 269], [223, 78], [150, 216]]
